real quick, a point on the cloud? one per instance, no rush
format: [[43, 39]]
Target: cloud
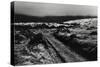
[[45, 9]]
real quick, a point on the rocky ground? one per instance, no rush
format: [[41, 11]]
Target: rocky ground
[[74, 42]]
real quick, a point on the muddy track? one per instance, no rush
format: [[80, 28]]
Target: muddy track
[[64, 53], [90, 56], [58, 54]]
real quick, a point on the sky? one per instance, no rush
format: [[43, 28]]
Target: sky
[[51, 9]]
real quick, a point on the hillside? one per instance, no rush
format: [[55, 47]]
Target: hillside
[[58, 19]]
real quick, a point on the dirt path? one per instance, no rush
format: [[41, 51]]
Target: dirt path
[[65, 53]]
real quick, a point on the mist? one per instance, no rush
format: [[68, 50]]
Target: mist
[[51, 9]]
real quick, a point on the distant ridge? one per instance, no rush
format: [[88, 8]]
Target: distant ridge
[[58, 19]]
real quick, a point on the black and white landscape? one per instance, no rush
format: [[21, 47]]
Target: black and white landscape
[[46, 33]]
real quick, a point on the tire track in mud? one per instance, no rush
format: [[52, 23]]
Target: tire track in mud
[[58, 54], [64, 53]]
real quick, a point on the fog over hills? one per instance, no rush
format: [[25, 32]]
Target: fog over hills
[[49, 12], [58, 19]]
